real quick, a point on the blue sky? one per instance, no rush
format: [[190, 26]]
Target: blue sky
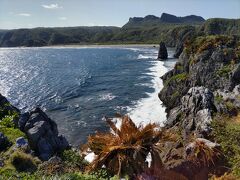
[[52, 13]]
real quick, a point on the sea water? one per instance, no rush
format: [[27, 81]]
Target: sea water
[[78, 86]]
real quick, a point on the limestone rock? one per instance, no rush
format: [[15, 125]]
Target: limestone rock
[[42, 134], [162, 53], [194, 112]]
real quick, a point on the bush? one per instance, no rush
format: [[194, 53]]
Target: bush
[[72, 158], [23, 162], [11, 133]]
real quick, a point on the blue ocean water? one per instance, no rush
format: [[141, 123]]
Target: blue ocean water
[[77, 87]]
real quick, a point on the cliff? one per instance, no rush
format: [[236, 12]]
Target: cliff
[[201, 95]]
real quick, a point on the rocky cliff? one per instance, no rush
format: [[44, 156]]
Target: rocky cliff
[[40, 131], [201, 95]]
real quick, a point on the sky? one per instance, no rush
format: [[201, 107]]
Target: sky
[[62, 13]]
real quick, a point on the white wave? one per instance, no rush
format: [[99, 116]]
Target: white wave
[[107, 97], [141, 56], [151, 109]]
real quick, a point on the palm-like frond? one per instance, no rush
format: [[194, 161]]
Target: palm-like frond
[[124, 150]]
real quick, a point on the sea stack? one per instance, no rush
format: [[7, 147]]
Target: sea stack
[[162, 53]]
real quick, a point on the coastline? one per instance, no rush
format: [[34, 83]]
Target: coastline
[[86, 46]]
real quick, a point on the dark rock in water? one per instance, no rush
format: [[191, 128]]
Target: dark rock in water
[[162, 53], [4, 143], [21, 142], [194, 112], [42, 134]]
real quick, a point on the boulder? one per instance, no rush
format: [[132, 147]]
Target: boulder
[[21, 142], [162, 53], [42, 134]]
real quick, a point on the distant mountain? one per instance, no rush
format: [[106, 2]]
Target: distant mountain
[[171, 29], [165, 18]]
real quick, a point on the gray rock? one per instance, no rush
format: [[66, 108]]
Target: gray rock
[[21, 142], [42, 134], [227, 98], [194, 112], [23, 120], [162, 53]]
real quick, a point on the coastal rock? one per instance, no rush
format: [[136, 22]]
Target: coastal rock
[[42, 134], [228, 102], [162, 53], [3, 141], [194, 112], [21, 142], [210, 67]]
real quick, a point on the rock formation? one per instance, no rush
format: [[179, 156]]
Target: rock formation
[[194, 112], [212, 63], [41, 131], [162, 53], [42, 134]]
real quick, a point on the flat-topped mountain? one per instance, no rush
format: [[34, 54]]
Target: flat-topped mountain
[[165, 18]]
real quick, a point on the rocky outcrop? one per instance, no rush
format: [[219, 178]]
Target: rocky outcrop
[[162, 53], [194, 112], [212, 62], [42, 134], [187, 159], [228, 102]]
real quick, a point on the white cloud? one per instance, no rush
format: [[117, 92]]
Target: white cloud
[[52, 6], [24, 14], [62, 18]]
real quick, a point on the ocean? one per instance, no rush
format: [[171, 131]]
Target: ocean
[[79, 86]]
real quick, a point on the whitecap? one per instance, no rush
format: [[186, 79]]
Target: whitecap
[[106, 97]]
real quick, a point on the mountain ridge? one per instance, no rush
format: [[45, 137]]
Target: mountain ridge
[[165, 18]]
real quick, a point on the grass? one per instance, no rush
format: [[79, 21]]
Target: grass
[[224, 71], [177, 78], [12, 133], [226, 131], [202, 43]]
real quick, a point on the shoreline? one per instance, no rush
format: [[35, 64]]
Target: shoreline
[[85, 46]]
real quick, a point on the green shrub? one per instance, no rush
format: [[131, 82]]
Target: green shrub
[[23, 162], [224, 71], [73, 158], [12, 133], [218, 99], [7, 121], [178, 78]]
